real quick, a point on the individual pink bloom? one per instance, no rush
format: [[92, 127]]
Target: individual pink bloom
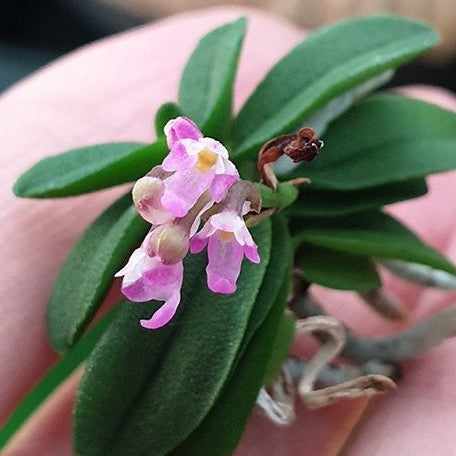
[[197, 163], [228, 241], [148, 278]]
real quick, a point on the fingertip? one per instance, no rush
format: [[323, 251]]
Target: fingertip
[[437, 95]]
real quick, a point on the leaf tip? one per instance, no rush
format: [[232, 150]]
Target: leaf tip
[[21, 187], [241, 22]]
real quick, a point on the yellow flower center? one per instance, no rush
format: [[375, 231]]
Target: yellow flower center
[[206, 160], [225, 235]]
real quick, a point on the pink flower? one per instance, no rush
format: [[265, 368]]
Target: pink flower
[[228, 241], [147, 277], [197, 163]]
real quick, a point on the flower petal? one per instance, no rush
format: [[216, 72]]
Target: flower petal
[[220, 184], [147, 278], [251, 253], [182, 190], [227, 220], [180, 128], [164, 314], [197, 221], [225, 258], [215, 146], [244, 237], [133, 269], [198, 243], [178, 158], [200, 240]]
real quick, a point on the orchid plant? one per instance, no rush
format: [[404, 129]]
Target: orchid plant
[[294, 183]]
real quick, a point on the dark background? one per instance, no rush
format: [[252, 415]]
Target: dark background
[[35, 32]]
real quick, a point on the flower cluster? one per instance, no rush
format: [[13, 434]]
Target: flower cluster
[[195, 180]]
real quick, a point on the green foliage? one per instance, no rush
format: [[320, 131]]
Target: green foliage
[[277, 275], [336, 269], [206, 88], [56, 375], [403, 139], [280, 198], [373, 234], [315, 202], [222, 428], [281, 347], [136, 380], [89, 271], [165, 113], [327, 63], [88, 169]]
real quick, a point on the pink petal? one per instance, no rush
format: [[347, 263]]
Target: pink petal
[[225, 258], [164, 314], [220, 185], [147, 278], [244, 237], [196, 223], [182, 190], [178, 159], [197, 244], [251, 253], [200, 240], [215, 146], [227, 221], [180, 128], [133, 268]]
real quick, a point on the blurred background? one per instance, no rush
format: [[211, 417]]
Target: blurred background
[[33, 33]]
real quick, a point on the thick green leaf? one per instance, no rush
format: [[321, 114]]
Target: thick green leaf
[[238, 397], [336, 269], [88, 169], [315, 202], [322, 117], [222, 428], [371, 233], [89, 271], [384, 139], [205, 92], [280, 198], [58, 373], [144, 392], [165, 113], [277, 276], [281, 347], [329, 62]]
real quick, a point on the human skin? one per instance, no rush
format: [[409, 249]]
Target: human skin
[[110, 91]]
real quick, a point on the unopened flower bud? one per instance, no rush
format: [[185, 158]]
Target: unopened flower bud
[[147, 193], [170, 242]]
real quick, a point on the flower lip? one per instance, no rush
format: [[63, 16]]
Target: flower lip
[[147, 278]]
